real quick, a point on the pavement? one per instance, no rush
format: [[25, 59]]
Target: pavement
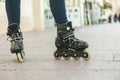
[[104, 46]]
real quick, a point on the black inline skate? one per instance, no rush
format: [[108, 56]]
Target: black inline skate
[[16, 39], [67, 45]]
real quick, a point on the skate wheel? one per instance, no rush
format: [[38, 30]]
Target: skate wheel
[[20, 56], [86, 55], [75, 57], [66, 56], [57, 56]]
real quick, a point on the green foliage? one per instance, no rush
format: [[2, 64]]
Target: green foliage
[[106, 5]]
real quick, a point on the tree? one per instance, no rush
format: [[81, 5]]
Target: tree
[[106, 5]]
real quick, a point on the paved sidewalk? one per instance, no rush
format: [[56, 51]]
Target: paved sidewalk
[[104, 41]]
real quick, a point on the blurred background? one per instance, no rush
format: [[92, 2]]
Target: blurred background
[[36, 14]]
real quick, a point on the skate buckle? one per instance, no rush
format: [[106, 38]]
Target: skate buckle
[[68, 28]]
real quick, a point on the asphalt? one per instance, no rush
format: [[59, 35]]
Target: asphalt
[[39, 64]]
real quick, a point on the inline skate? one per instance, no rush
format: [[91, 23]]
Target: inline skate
[[67, 45], [15, 37]]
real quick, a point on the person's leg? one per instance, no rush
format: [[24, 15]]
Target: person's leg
[[58, 11], [13, 11], [65, 40], [14, 32]]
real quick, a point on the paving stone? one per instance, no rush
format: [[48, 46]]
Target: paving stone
[[104, 45]]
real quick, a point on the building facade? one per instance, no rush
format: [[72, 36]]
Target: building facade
[[36, 14]]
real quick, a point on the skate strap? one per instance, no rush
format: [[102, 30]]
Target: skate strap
[[67, 35], [9, 39], [14, 36], [12, 39]]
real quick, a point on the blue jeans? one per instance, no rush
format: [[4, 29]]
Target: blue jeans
[[58, 11], [13, 11], [57, 8]]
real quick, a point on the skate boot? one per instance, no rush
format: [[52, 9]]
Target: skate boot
[[16, 39], [67, 45]]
